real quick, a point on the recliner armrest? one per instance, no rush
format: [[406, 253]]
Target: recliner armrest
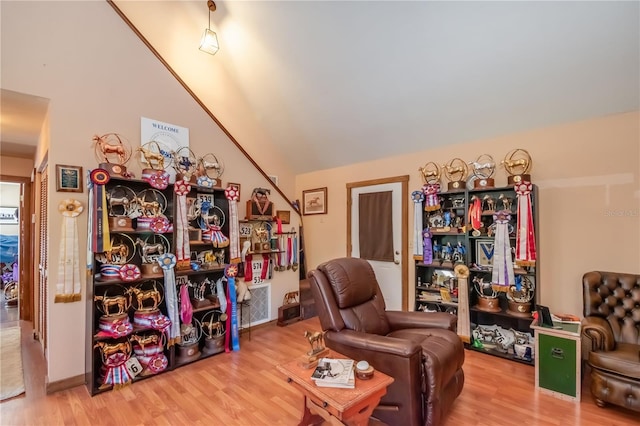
[[373, 343], [400, 320], [599, 331]]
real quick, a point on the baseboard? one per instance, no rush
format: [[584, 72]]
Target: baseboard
[[67, 383]]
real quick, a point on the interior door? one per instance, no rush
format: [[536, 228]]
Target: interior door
[[392, 276], [43, 242]]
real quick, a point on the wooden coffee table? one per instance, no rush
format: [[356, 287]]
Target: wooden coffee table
[[336, 405]]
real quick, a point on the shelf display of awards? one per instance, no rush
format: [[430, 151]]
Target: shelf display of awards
[[148, 310], [492, 232]]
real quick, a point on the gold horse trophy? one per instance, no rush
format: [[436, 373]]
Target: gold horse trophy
[[518, 164], [456, 172], [112, 152]]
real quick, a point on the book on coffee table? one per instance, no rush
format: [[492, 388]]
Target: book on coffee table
[[334, 373]]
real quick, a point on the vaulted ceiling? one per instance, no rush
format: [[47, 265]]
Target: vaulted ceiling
[[328, 83]]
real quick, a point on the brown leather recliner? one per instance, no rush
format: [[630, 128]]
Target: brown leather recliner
[[611, 337], [421, 351]]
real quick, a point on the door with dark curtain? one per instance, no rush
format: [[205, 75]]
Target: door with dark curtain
[[376, 226], [384, 233]]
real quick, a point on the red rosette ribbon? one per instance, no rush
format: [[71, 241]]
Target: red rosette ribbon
[[99, 176], [159, 225], [231, 271], [182, 187], [159, 180], [232, 193], [158, 363]]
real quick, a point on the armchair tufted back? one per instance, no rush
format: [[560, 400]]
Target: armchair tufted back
[[349, 296], [616, 298]]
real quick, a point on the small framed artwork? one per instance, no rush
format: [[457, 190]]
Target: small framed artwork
[[484, 252], [236, 186], [314, 201], [284, 216], [68, 178]]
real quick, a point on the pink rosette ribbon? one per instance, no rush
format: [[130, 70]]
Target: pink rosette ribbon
[[129, 272]]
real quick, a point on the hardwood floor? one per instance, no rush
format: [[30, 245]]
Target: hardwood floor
[[243, 388]]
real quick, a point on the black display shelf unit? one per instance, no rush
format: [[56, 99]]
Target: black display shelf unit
[[435, 285]]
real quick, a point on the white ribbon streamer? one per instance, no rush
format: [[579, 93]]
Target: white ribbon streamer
[[502, 274], [68, 287]]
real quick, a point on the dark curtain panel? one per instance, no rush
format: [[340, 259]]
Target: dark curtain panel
[[376, 227]]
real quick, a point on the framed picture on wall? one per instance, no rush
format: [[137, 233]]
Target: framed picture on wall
[[484, 252], [314, 201], [68, 178], [284, 216]]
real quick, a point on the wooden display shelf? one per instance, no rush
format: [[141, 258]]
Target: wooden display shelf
[[501, 354], [206, 308], [187, 272]]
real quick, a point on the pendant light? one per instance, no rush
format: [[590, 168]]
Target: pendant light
[[209, 42]]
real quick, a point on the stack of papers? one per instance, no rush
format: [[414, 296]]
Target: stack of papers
[[334, 373]]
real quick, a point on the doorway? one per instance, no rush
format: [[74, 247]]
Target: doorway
[[392, 274], [15, 249]]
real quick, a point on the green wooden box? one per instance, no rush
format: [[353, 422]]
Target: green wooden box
[[558, 360]]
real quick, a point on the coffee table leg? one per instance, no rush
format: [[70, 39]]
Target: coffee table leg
[[309, 418]]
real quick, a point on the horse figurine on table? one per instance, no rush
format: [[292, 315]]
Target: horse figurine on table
[[316, 340]]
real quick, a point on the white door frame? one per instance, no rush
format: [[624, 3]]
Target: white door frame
[[404, 247]]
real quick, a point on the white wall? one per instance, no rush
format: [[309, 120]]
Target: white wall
[[100, 78]]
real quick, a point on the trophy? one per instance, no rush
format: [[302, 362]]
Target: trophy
[[150, 248], [506, 201], [519, 296], [184, 163], [487, 297], [149, 350], [430, 173], [456, 172], [120, 254], [211, 221], [146, 299], [199, 290], [259, 207], [114, 305], [188, 348], [112, 153], [483, 169], [431, 176], [121, 203], [213, 327], [209, 171], [114, 357], [150, 215], [517, 163], [154, 159]]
